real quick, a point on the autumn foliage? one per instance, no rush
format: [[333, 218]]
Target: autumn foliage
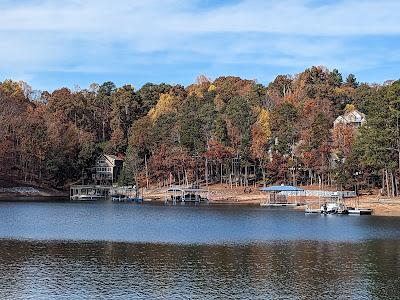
[[224, 130]]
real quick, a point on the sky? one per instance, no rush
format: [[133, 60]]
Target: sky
[[52, 44]]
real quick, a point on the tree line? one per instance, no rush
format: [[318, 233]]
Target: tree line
[[227, 130]]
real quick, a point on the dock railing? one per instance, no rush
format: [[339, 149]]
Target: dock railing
[[320, 193]]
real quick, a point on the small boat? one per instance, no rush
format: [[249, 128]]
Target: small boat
[[333, 208], [135, 199], [119, 198], [124, 198]]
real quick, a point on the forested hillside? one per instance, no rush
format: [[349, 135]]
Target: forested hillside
[[228, 130]]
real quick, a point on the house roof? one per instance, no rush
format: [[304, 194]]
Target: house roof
[[354, 116], [281, 188], [112, 157]]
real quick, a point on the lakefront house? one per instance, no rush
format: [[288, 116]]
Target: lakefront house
[[344, 128], [107, 169], [353, 118]]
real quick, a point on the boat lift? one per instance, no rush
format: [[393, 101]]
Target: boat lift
[[89, 192], [185, 195], [274, 199]]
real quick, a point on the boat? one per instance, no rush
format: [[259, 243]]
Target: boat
[[124, 198], [334, 208], [135, 199], [119, 198]]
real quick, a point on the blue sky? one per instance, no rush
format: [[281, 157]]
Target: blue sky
[[51, 43]]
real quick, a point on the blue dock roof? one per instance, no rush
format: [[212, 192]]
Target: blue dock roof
[[281, 188]]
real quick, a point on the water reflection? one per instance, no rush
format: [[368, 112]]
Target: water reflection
[[288, 270], [183, 225]]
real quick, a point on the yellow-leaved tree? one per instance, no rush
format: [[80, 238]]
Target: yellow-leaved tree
[[261, 133], [349, 108], [166, 103]]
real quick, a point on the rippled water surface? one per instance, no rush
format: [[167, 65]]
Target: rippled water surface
[[61, 250]]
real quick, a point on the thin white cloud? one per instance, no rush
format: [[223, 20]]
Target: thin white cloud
[[112, 36], [174, 16]]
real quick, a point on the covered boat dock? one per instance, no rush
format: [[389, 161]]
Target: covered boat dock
[[276, 199], [185, 195], [89, 192]]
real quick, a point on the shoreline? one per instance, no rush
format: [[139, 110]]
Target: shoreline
[[379, 209], [218, 195], [224, 195]]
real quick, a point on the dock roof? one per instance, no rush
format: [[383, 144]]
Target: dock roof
[[185, 190], [281, 188]]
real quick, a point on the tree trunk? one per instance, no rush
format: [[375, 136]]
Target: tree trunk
[[206, 171], [263, 174], [387, 183], [245, 176], [392, 182], [104, 131], [221, 172], [383, 181], [147, 171]]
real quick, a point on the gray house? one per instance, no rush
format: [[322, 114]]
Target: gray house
[[107, 169], [353, 118]]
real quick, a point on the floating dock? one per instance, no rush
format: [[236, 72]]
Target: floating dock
[[278, 204], [312, 210], [340, 210], [360, 211]]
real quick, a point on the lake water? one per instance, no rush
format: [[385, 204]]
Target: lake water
[[63, 250]]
